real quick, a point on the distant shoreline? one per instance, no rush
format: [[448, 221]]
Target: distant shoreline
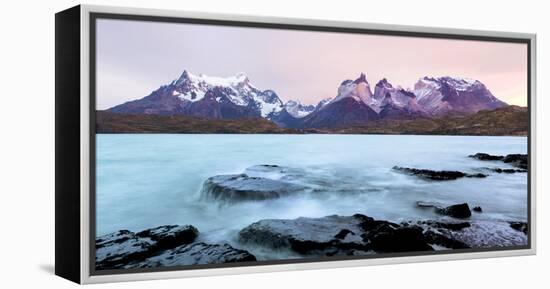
[[508, 121]]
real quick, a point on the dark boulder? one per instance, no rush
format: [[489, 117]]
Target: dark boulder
[[402, 239], [308, 236], [517, 160], [194, 254], [477, 209], [456, 211], [343, 233], [167, 237], [437, 175], [520, 226], [121, 248], [335, 235], [244, 187], [486, 157]]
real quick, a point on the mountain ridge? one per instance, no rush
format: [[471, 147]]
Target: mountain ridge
[[355, 103]]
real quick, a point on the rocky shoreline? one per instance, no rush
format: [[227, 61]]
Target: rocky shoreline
[[355, 235], [452, 225]]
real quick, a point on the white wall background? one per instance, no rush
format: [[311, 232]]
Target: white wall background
[[27, 143]]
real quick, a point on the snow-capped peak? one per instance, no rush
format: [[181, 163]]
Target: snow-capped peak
[[438, 95], [297, 109], [186, 76], [239, 90], [358, 89], [458, 83]]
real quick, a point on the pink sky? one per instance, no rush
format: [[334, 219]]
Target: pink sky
[[136, 57]]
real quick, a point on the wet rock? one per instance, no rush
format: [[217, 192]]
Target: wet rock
[[244, 187], [437, 175], [516, 160], [167, 237], [386, 237], [476, 175], [477, 209], [308, 236], [124, 247], [343, 233], [479, 234], [520, 226], [335, 235], [162, 246], [488, 234], [507, 171], [444, 241], [196, 253], [486, 157], [402, 239], [453, 226], [456, 211], [360, 235]]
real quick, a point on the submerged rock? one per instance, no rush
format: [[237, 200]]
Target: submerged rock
[[123, 247], [486, 157], [196, 253], [244, 187], [506, 171], [455, 211], [477, 209], [437, 175], [275, 172], [517, 160]]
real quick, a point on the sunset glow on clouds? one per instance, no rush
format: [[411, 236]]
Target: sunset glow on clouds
[[136, 57]]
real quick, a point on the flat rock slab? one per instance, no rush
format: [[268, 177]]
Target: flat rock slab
[[305, 235], [194, 254], [275, 172], [243, 187], [331, 235], [162, 246], [489, 234], [117, 249]]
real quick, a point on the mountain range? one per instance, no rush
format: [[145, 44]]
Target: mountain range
[[355, 102]]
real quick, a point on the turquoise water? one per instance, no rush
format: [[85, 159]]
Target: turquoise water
[[147, 180]]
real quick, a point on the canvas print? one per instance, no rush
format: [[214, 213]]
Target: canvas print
[[219, 145]]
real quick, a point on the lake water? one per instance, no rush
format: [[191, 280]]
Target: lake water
[[148, 180]]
